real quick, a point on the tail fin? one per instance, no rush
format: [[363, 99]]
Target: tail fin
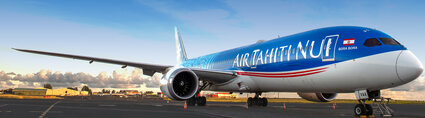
[[181, 52]]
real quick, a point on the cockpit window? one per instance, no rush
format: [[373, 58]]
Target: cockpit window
[[372, 42], [389, 41]]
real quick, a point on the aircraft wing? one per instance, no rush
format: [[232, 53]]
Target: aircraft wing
[[215, 76], [148, 69]]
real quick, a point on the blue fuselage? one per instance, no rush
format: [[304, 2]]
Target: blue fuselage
[[305, 50]]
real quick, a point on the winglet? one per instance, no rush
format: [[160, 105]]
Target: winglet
[[181, 52]]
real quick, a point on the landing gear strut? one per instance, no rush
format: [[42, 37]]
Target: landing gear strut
[[198, 100], [257, 101]]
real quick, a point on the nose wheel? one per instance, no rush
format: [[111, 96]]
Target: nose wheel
[[363, 109], [257, 101]]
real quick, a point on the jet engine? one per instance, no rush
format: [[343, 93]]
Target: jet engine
[[179, 83], [318, 97]]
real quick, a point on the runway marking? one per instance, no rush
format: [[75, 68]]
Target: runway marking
[[114, 109], [107, 105], [35, 111], [48, 109], [3, 105], [212, 114], [42, 111]]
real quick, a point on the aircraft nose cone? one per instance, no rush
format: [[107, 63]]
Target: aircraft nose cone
[[408, 66]]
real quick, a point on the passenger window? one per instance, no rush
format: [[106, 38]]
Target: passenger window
[[372, 42], [389, 41]]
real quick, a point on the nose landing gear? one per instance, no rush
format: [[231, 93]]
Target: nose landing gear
[[363, 109], [379, 103]]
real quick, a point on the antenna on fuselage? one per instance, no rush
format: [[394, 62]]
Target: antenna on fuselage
[[259, 41]]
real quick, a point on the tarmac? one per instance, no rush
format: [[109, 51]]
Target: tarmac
[[75, 108]]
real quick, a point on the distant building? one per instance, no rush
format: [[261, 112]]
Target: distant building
[[29, 91], [66, 92], [53, 92]]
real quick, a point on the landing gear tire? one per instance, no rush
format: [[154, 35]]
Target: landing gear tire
[[257, 101], [200, 101], [363, 109], [265, 102], [250, 101], [369, 109], [359, 110], [260, 101], [191, 101]]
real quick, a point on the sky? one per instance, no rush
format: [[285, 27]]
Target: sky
[[142, 31]]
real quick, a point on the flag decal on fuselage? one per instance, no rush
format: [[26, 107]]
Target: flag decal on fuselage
[[348, 42]]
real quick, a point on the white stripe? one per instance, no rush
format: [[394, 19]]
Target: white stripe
[[48, 109], [348, 42]]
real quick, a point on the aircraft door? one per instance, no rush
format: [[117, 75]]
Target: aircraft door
[[329, 47]]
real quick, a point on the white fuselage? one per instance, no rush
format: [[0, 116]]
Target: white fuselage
[[373, 72]]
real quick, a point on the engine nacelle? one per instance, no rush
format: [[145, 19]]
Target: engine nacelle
[[318, 97], [179, 83]]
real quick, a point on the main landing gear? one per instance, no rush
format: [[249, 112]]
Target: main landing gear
[[198, 100], [363, 109], [257, 101]]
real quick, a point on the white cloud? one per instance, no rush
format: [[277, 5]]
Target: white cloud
[[413, 86], [119, 79]]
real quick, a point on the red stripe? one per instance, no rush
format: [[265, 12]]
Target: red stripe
[[348, 44], [290, 73], [349, 39], [305, 74]]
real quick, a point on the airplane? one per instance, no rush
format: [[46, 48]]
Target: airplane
[[316, 64]]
